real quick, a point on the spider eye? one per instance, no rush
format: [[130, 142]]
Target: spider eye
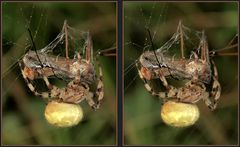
[[146, 58]]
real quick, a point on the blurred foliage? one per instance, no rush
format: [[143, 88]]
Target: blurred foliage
[[23, 113], [142, 122]]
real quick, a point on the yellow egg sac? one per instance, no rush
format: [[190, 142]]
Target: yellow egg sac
[[179, 114], [63, 114]]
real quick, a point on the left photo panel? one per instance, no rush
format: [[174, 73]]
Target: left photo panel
[[59, 73]]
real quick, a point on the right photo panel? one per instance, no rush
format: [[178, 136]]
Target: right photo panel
[[180, 73]]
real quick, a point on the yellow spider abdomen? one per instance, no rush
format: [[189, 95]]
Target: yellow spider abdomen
[[63, 114], [179, 114]]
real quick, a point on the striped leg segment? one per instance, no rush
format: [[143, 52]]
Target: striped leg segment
[[214, 96], [100, 86], [30, 85], [163, 79], [90, 101], [89, 97], [216, 88], [148, 87]]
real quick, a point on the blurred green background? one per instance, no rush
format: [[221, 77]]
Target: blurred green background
[[22, 112], [142, 122]]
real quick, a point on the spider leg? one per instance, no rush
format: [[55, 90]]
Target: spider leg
[[50, 86], [163, 79], [30, 85], [100, 87], [91, 103], [148, 87], [216, 90], [89, 98]]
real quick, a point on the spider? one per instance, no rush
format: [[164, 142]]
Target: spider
[[197, 71], [80, 71]]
